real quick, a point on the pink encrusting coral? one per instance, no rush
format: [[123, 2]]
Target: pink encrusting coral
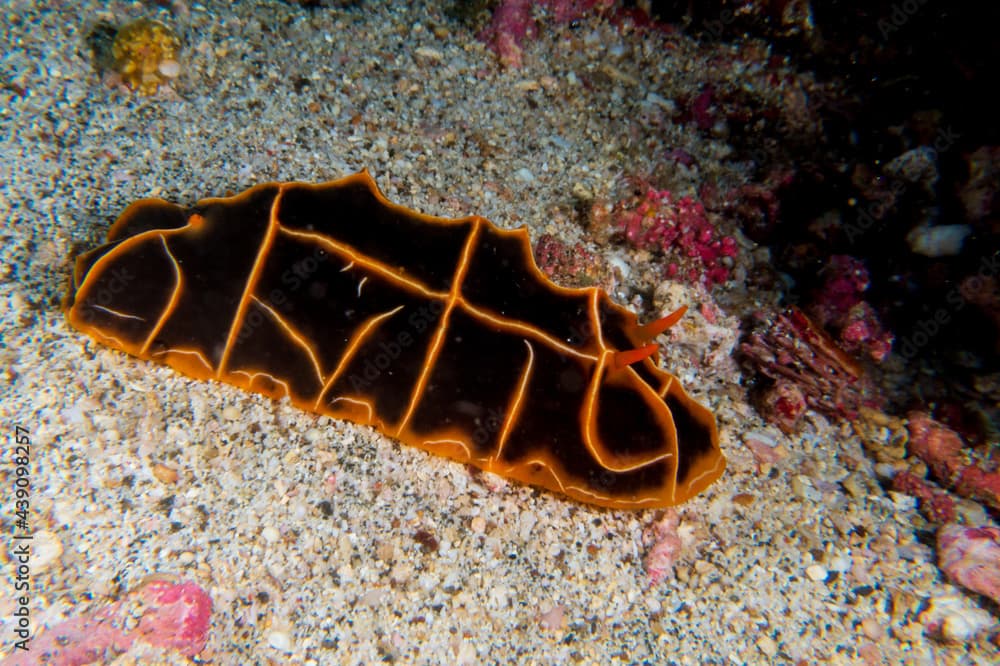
[[839, 305], [177, 618], [846, 279], [681, 231], [514, 23], [970, 557], [944, 452], [172, 616]]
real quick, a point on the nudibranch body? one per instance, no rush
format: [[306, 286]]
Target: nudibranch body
[[441, 333]]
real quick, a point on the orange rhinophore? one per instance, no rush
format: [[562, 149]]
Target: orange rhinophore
[[441, 333]]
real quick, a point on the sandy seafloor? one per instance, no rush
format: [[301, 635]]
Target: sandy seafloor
[[272, 91]]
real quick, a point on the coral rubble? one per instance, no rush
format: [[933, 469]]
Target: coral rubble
[[665, 549], [808, 369], [943, 450]]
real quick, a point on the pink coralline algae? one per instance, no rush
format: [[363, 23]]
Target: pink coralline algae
[[808, 369], [666, 548], [839, 306], [944, 452], [970, 557], [680, 230], [172, 616], [514, 24]]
